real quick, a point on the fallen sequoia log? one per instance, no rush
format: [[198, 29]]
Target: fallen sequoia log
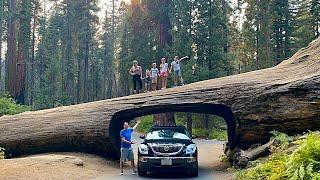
[[285, 98]]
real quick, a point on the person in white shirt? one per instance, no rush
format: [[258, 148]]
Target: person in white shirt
[[164, 72], [175, 65]]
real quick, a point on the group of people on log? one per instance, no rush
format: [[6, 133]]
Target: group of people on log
[[152, 75]]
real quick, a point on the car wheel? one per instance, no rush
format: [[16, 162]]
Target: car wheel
[[141, 171], [194, 171]]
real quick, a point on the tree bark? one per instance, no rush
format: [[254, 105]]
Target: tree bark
[[11, 51], [285, 98], [1, 33], [164, 119], [242, 158], [189, 123]]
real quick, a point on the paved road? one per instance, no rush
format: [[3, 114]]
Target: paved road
[[207, 160]]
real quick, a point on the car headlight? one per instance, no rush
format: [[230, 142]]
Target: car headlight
[[191, 149], [143, 149]]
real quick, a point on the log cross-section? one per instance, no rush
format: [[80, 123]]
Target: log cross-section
[[284, 98]]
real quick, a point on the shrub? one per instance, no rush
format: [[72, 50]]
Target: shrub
[[218, 134], [2, 153], [214, 133], [9, 107], [201, 133], [303, 163], [145, 124], [281, 138]]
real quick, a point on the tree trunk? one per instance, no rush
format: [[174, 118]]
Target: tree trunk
[[69, 61], [12, 48], [32, 62], [23, 50], [164, 119], [285, 98], [189, 123], [1, 33], [206, 120]]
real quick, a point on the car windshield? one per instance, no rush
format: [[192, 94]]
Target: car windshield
[[167, 134]]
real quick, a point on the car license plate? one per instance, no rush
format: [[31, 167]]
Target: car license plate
[[166, 162]]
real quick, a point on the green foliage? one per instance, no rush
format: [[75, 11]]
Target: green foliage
[[9, 107], [218, 134], [2, 153], [145, 124], [272, 169], [303, 163], [213, 133], [224, 158], [281, 138]]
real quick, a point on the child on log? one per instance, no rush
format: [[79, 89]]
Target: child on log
[[147, 83], [154, 76]]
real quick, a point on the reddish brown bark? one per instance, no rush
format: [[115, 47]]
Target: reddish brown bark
[[12, 60]]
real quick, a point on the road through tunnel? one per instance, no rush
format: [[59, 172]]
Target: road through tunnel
[[116, 123]]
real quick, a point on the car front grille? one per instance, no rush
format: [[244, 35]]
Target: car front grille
[[166, 149]]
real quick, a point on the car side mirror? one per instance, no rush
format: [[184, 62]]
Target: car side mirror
[[194, 136], [142, 136]]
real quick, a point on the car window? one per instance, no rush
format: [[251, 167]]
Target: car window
[[167, 134]]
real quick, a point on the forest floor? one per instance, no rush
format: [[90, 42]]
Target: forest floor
[[63, 166]]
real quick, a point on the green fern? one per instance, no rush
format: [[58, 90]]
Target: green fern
[[302, 164]]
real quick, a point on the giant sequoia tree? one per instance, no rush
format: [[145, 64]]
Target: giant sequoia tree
[[11, 57]]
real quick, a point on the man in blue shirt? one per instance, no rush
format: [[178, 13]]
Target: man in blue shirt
[[126, 149]]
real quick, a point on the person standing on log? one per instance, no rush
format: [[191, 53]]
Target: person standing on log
[[164, 72], [147, 79], [175, 65], [126, 149], [154, 76], [136, 72]]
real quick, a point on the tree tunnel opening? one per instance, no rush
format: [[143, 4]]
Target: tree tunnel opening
[[116, 123]]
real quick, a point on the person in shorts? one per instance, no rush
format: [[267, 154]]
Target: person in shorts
[[136, 73], [154, 76], [126, 149], [175, 65], [147, 81], [164, 72]]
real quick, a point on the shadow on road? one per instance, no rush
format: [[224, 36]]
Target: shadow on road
[[203, 174]]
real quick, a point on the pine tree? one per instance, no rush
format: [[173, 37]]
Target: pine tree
[[1, 37], [282, 30], [304, 29], [315, 15]]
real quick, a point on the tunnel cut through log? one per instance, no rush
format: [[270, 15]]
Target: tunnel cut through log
[[116, 123]]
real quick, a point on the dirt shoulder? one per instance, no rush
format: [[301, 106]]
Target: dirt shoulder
[[63, 165]]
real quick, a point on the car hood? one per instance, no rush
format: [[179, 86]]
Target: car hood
[[171, 141]]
